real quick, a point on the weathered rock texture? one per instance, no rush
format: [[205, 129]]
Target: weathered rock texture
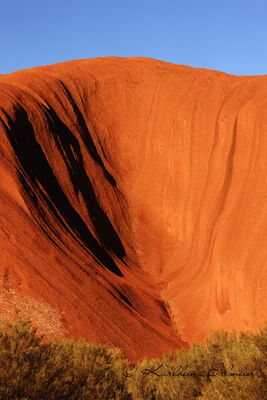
[[133, 201]]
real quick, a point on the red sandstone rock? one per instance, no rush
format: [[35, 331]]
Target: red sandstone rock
[[133, 201]]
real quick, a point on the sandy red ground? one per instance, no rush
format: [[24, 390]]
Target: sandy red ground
[[133, 202]]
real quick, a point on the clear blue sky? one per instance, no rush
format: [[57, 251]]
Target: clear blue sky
[[225, 35]]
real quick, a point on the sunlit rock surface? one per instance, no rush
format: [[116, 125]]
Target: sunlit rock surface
[[133, 202]]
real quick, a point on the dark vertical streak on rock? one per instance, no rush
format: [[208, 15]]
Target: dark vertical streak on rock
[[86, 136], [69, 148], [39, 180]]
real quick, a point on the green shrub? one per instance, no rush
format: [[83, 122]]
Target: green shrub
[[63, 369], [223, 368], [246, 356]]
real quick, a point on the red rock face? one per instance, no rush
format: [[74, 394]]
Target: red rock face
[[133, 202]]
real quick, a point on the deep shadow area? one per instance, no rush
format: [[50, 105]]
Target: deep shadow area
[[121, 297], [86, 136], [41, 186], [70, 151]]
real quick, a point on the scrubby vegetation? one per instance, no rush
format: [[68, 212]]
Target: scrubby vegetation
[[57, 370], [223, 368]]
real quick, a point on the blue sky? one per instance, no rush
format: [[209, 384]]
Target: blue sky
[[225, 35]]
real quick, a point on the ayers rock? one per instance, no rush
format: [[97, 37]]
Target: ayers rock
[[133, 202]]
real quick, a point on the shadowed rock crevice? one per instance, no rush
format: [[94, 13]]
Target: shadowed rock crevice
[[70, 151], [85, 134], [41, 186], [117, 293]]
